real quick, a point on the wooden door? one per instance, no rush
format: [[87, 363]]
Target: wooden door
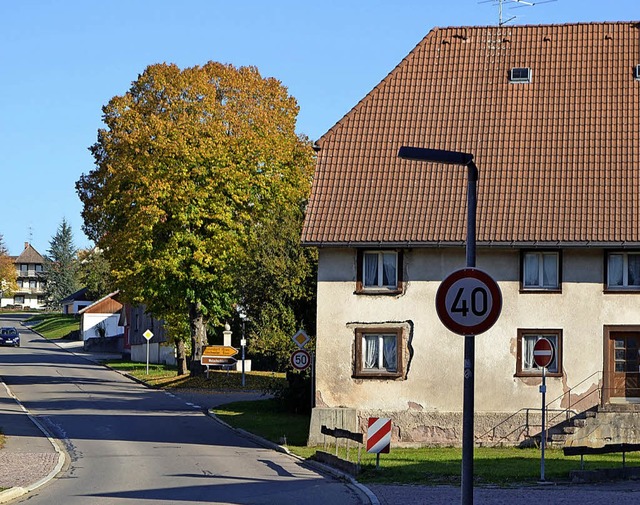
[[624, 380]]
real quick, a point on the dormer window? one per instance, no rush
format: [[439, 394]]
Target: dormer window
[[637, 73], [520, 75]]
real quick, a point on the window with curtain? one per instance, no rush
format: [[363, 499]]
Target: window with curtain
[[526, 341], [378, 352], [541, 270], [623, 270], [379, 271]]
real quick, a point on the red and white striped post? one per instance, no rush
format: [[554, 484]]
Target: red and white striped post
[[378, 437]]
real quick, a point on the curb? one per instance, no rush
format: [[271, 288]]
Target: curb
[[326, 469], [15, 492]]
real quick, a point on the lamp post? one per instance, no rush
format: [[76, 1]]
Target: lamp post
[[461, 159], [243, 341]]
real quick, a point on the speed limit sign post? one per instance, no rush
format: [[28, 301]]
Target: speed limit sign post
[[300, 359], [468, 301]]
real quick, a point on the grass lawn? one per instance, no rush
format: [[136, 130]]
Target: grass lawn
[[165, 376], [432, 466], [54, 326]]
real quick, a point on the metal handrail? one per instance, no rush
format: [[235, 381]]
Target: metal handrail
[[569, 409], [567, 412]]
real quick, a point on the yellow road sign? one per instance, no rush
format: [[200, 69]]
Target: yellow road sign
[[219, 350]]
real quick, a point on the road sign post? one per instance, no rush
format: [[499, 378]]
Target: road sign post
[[300, 359], [378, 437], [148, 335], [543, 354]]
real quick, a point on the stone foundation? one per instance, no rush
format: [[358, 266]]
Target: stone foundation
[[414, 428]]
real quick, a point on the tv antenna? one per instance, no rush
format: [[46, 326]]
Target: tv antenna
[[517, 4]]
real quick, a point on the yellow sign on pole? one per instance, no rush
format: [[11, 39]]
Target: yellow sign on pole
[[219, 350]]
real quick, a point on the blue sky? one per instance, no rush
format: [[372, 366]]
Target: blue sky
[[62, 60]]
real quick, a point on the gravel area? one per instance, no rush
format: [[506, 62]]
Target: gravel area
[[19, 469], [622, 493]]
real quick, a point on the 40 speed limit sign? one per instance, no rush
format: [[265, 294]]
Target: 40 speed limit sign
[[468, 301]]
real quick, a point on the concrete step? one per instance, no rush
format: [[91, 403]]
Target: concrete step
[[620, 407]]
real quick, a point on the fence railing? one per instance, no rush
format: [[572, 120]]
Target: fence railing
[[553, 416]]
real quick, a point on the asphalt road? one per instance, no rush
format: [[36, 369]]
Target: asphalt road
[[128, 444]]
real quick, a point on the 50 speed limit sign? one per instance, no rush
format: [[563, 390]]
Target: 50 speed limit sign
[[468, 301], [300, 359]]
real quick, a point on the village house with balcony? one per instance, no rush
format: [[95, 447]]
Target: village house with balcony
[[30, 267]]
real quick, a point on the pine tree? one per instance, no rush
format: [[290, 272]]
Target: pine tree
[[61, 267]]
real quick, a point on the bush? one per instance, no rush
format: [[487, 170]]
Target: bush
[[295, 394]]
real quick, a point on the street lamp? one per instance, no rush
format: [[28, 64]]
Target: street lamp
[[243, 340], [462, 159]]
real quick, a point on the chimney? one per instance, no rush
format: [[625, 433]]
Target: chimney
[[26, 244]]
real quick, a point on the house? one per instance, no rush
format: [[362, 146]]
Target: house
[[101, 319], [551, 114], [137, 322], [75, 302], [30, 279]]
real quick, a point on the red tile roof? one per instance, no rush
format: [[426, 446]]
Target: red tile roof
[[559, 157]]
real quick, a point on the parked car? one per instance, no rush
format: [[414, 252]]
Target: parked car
[[9, 336]]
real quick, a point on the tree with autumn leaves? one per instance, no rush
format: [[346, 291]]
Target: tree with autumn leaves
[[191, 167], [8, 274]]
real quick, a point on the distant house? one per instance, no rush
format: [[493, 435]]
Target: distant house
[[551, 114], [137, 321], [75, 302], [102, 318], [30, 279]]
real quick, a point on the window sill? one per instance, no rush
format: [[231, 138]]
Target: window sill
[[377, 375], [548, 291], [522, 375], [379, 291], [621, 291]]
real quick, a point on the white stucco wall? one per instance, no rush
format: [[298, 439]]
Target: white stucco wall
[[158, 353], [434, 380], [90, 322]]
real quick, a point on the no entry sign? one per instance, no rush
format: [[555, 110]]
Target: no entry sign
[[468, 301], [543, 353]]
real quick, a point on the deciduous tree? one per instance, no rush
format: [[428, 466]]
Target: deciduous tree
[[189, 163], [94, 273], [278, 287], [8, 273]]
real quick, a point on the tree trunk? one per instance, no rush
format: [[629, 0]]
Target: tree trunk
[[181, 357], [198, 336]]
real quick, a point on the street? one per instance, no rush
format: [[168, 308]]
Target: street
[[130, 444]]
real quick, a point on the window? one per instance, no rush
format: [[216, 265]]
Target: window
[[623, 270], [18, 300], [525, 365], [379, 272], [541, 270], [379, 352], [637, 73], [520, 74]]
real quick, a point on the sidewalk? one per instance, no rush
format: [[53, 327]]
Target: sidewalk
[[29, 458]]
